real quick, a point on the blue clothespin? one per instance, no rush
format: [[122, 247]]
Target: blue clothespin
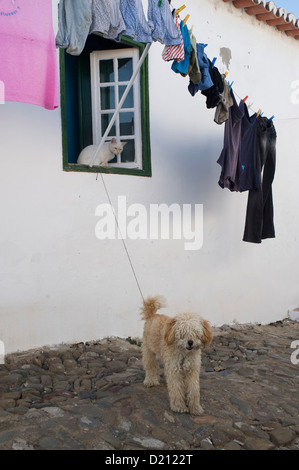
[[205, 45], [213, 61], [271, 118], [230, 85]]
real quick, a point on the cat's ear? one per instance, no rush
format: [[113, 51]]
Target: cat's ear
[[124, 143], [113, 140]]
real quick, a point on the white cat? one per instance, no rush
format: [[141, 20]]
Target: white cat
[[107, 153]]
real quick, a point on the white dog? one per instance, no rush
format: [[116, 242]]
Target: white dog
[[177, 342]]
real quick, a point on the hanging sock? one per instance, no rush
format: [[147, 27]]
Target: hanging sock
[[175, 52], [182, 66], [165, 30], [213, 94], [222, 110], [107, 19], [136, 25], [74, 20], [203, 62], [193, 69]]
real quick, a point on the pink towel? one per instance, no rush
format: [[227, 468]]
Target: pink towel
[[28, 61]]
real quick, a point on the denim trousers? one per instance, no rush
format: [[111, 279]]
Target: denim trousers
[[259, 223]]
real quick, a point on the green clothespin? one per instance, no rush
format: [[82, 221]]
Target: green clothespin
[[159, 3]]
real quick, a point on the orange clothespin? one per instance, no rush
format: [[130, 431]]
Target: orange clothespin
[[186, 19], [258, 113], [226, 74], [246, 97]]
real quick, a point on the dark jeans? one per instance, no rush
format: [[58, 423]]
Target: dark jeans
[[259, 222]]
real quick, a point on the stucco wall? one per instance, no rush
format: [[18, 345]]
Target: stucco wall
[[59, 283]]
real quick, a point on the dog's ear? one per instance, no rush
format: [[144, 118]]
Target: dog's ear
[[207, 336], [169, 331]]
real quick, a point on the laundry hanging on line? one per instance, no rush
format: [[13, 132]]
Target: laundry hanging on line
[[79, 18], [248, 161], [189, 58], [259, 223], [238, 156], [28, 62], [245, 164], [248, 157]]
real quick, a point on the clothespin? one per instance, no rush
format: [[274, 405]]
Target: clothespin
[[205, 45], [258, 113], [186, 19], [213, 61], [226, 74], [230, 85], [180, 9], [271, 118], [160, 3], [246, 97]]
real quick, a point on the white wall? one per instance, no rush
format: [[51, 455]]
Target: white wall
[[59, 283]]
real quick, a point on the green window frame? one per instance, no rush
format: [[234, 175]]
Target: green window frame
[[76, 106]]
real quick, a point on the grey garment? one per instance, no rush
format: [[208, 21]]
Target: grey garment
[[193, 69], [107, 18], [222, 110], [74, 20]]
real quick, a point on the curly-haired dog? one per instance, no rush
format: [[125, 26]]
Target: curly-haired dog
[[177, 342]]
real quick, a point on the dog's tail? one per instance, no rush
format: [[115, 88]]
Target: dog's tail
[[151, 305]]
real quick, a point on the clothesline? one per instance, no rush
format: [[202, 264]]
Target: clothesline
[[215, 58], [250, 106]]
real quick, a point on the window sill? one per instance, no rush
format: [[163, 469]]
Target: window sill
[[111, 169]]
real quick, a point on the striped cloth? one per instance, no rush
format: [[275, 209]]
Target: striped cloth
[[175, 52]]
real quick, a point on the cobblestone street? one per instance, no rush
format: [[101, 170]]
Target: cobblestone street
[[90, 396]]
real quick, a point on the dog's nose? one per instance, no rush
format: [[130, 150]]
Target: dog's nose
[[190, 342]]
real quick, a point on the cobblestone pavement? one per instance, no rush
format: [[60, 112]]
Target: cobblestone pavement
[[90, 396]]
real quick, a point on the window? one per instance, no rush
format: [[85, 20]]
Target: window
[[92, 85], [111, 71]]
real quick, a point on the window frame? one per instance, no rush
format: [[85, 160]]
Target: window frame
[[115, 54], [76, 116]]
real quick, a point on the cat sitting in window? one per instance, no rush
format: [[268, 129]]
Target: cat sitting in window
[[107, 153]]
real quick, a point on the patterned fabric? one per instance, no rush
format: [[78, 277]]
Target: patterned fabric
[[175, 52], [107, 18], [165, 30], [136, 25]]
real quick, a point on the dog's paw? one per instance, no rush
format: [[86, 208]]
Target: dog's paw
[[151, 383], [198, 410], [179, 409]]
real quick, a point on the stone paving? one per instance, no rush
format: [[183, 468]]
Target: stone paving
[[90, 396]]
